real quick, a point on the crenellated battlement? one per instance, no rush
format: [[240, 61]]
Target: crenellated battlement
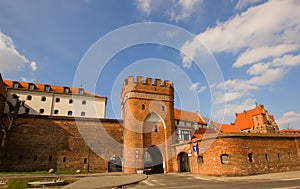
[[147, 85], [131, 80]]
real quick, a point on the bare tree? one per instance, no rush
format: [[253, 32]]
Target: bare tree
[[12, 116]]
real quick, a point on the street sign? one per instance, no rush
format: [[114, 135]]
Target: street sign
[[195, 149]]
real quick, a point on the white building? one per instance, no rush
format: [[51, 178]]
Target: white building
[[52, 100]]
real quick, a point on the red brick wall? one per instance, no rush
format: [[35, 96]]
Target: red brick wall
[[270, 153], [43, 142]]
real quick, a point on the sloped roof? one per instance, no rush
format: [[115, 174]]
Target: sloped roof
[[188, 116], [244, 120], [227, 128], [53, 88]]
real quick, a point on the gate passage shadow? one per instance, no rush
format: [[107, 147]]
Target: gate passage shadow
[[153, 161]]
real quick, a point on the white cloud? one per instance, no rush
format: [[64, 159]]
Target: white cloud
[[194, 86], [182, 10], [33, 66], [262, 25], [257, 54], [245, 3], [175, 10], [144, 6], [288, 119], [233, 108], [264, 36], [202, 89], [11, 60]]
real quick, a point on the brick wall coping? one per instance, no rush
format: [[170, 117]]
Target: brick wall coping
[[242, 135], [71, 118]]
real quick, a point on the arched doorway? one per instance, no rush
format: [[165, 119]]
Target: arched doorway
[[153, 161], [115, 164], [184, 163]]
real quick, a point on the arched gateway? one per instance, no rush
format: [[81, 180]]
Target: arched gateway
[[148, 118]]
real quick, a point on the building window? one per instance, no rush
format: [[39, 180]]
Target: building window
[[15, 84], [46, 87], [81, 91], [42, 111], [50, 158], [66, 89], [185, 134], [83, 102], [35, 158], [82, 113], [224, 158], [143, 106], [70, 113], [57, 100], [266, 156], [250, 157], [29, 97], [20, 157], [163, 108], [43, 98], [71, 101], [155, 129], [64, 159], [85, 160], [200, 159], [31, 86], [278, 155], [289, 155], [56, 111]]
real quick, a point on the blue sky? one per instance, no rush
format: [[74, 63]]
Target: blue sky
[[255, 44]]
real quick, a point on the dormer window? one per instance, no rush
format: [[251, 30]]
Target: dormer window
[[15, 84], [66, 90], [30, 86], [81, 91], [47, 88]]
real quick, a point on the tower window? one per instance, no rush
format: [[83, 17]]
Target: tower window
[[43, 98], [64, 159], [70, 113], [83, 102], [143, 106], [163, 108], [29, 97], [71, 101], [82, 113], [56, 111], [155, 129], [42, 111], [57, 100]]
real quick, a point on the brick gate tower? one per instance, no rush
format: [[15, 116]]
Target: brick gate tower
[[148, 115]]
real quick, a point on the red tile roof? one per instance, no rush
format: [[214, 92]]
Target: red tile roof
[[41, 87], [244, 120], [290, 131], [227, 128], [188, 116]]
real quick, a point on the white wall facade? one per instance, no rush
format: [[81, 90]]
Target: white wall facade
[[57, 104]]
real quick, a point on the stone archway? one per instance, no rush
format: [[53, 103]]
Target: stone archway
[[153, 161], [115, 164], [183, 162]]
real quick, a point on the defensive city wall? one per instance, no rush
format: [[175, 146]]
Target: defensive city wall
[[242, 154]]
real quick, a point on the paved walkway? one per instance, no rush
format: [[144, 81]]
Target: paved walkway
[[106, 181]]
